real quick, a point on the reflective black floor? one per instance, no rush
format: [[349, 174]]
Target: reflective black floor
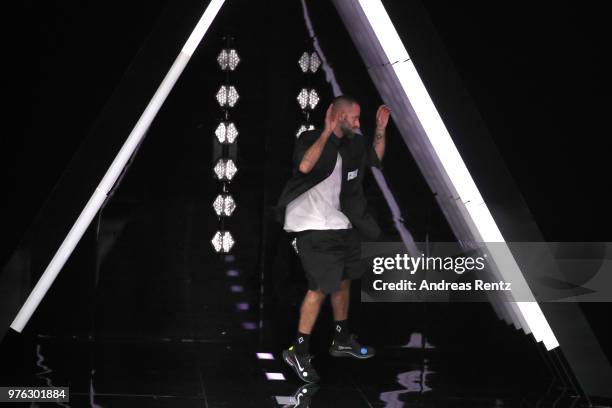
[[236, 373], [174, 325]]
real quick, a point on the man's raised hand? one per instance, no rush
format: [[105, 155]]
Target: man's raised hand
[[382, 116], [331, 119]]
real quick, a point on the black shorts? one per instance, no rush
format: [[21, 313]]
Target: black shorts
[[330, 256]]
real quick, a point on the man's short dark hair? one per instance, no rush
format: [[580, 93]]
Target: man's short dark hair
[[343, 101]]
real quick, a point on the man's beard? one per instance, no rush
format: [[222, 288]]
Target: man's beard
[[346, 130]]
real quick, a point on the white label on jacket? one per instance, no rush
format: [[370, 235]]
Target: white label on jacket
[[352, 174]]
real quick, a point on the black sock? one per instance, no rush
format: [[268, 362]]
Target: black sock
[[341, 332], [301, 344]]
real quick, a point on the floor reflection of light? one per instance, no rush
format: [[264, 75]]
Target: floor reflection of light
[[249, 325], [237, 288], [45, 370], [416, 341], [92, 392], [275, 376], [265, 356], [413, 381], [301, 397], [230, 258], [232, 273], [284, 400], [242, 306]]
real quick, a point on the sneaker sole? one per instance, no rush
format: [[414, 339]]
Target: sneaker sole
[[297, 371], [348, 353]]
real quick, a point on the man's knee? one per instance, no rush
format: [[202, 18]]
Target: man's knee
[[315, 296]]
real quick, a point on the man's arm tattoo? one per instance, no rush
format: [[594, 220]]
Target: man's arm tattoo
[[379, 143], [379, 136]]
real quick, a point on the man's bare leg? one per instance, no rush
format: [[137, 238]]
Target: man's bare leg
[[297, 356], [310, 310], [340, 301]]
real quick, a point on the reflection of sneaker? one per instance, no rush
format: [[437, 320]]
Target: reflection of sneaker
[[351, 348], [301, 365], [302, 397]]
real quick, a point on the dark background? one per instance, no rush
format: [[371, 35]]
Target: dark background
[[80, 74], [534, 69]]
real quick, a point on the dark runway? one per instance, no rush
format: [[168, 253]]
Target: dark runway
[[175, 325]]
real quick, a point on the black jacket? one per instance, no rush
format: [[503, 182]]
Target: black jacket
[[357, 154]]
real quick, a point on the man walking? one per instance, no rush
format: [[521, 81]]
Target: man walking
[[324, 205]]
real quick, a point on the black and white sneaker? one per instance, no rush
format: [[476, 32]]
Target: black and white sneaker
[[302, 397], [351, 348], [301, 365]]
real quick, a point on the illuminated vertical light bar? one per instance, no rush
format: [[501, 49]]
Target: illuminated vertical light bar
[[384, 78], [115, 169], [453, 167]]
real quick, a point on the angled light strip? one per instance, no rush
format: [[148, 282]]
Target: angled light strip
[[275, 376], [452, 163], [431, 167], [115, 169], [200, 29], [265, 356]]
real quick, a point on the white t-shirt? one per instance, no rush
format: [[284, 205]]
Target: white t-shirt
[[319, 207]]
